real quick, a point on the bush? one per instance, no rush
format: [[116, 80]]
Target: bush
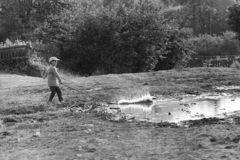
[[22, 67], [179, 49], [230, 45], [120, 39], [233, 18], [35, 66], [207, 45], [17, 60], [116, 39]]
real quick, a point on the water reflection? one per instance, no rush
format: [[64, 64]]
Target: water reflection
[[175, 111]]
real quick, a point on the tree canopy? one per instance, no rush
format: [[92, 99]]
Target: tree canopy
[[20, 19], [233, 18]]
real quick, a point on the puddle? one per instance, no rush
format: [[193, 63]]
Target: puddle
[[228, 88], [176, 111]]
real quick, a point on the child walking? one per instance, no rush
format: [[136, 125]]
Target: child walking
[[53, 80]]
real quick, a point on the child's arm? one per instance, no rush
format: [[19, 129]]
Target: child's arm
[[45, 75]]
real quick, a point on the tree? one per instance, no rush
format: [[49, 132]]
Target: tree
[[179, 48], [203, 16], [233, 19], [95, 35], [19, 18], [119, 39]]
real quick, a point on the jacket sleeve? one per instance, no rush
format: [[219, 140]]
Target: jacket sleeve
[[45, 75], [55, 72]]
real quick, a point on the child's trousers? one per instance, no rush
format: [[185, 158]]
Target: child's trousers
[[55, 89]]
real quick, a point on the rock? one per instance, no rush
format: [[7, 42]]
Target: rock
[[224, 156], [236, 139], [11, 119], [130, 118], [89, 149], [228, 139], [96, 141], [166, 124], [5, 133], [213, 139], [230, 147], [88, 125], [200, 146], [79, 155], [114, 108], [37, 134]]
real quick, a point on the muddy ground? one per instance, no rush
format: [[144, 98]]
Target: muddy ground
[[31, 129]]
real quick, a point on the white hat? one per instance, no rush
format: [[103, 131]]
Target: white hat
[[53, 59]]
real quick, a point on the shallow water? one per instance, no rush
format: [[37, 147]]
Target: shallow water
[[176, 111]]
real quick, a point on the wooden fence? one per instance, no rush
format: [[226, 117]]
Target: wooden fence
[[15, 52], [213, 61]]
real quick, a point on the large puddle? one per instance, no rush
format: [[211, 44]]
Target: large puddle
[[176, 111]]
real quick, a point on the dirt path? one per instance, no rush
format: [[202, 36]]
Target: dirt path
[[32, 130]]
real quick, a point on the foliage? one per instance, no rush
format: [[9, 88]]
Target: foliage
[[207, 45], [118, 39], [179, 49], [109, 36], [22, 67], [203, 16], [20, 19], [18, 61], [231, 45], [233, 19]]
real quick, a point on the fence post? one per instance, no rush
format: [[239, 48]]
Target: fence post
[[29, 49]]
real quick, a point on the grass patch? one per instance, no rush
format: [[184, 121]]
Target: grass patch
[[67, 75], [14, 119], [22, 110], [25, 67]]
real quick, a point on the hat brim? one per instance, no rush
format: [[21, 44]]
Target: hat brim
[[54, 60]]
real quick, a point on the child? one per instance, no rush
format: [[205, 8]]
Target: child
[[52, 76]]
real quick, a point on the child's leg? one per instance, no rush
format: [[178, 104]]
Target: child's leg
[[59, 93], [53, 92]]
